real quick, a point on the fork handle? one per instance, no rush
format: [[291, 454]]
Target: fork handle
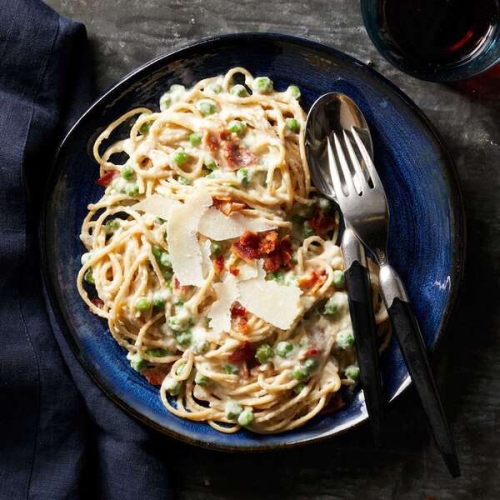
[[363, 324], [414, 352]]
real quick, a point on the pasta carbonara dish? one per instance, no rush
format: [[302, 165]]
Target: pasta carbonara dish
[[213, 261]]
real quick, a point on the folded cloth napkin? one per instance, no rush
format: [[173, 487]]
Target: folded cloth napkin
[[60, 437]]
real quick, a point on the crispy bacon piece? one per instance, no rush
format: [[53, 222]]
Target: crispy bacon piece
[[156, 375], [312, 352], [97, 302], [212, 140], [234, 155], [238, 311], [321, 222], [219, 263], [234, 270], [243, 352], [106, 179], [276, 253], [242, 325], [179, 290], [315, 278], [228, 149], [227, 206]]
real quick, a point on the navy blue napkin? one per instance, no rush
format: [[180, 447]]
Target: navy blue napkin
[[60, 437]]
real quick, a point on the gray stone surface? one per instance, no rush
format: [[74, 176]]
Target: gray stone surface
[[126, 33]]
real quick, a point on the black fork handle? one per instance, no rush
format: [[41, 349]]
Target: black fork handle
[[414, 352], [363, 323]]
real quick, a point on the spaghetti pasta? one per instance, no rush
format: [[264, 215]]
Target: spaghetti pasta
[[215, 263]]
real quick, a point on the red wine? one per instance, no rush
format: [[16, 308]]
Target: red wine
[[434, 32]]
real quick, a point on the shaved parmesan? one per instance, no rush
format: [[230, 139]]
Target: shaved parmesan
[[206, 262], [185, 250], [247, 271], [219, 227], [220, 311], [278, 305], [157, 205]]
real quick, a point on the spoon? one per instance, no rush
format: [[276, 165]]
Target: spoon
[[335, 112]]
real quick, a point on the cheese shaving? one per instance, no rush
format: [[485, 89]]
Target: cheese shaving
[[219, 227], [157, 205], [182, 238], [220, 311], [276, 304]]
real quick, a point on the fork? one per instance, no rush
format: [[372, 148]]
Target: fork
[[363, 202]]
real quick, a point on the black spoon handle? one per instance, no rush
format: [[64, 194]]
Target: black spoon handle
[[363, 323], [414, 352]]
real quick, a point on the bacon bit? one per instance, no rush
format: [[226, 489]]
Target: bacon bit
[[212, 140], [156, 375], [335, 404], [322, 222], [179, 290], [238, 311], [236, 156], [264, 245], [314, 278], [97, 302], [243, 352], [107, 178], [219, 263], [227, 206], [234, 270], [242, 325], [312, 352]]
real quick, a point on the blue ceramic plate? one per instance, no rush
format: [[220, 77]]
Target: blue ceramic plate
[[426, 233]]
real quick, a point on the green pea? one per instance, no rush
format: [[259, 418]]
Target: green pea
[[246, 417], [183, 181], [307, 230], [132, 189], [275, 276], [214, 88], [230, 369], [243, 176], [201, 379], [172, 386], [310, 364], [206, 107], [210, 164], [159, 299], [284, 349], [239, 91], [180, 158], [201, 346], [237, 127], [144, 129], [338, 279], [300, 373], [143, 304], [195, 139], [111, 226], [232, 409], [299, 387], [180, 369], [127, 172], [184, 338], [333, 305], [294, 91], [263, 85], [264, 353], [89, 277], [165, 260], [137, 363], [216, 248], [293, 125], [157, 352], [345, 339], [352, 372], [165, 101]]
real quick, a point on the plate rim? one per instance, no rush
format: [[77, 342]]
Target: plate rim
[[456, 203]]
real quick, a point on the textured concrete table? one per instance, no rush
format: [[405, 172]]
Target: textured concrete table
[[125, 34]]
